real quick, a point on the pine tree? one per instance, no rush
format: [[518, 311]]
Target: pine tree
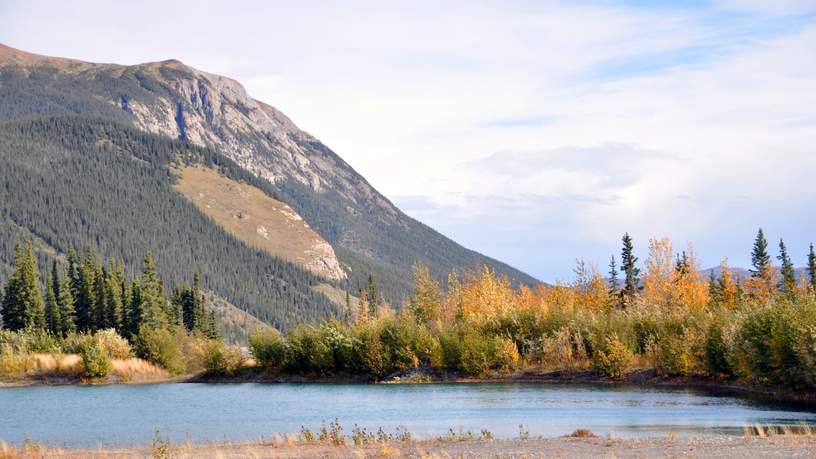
[[372, 296], [153, 304], [82, 289], [66, 305], [613, 276], [628, 261], [812, 268], [788, 283], [715, 289], [100, 289], [113, 296], [53, 321], [23, 304], [760, 259]]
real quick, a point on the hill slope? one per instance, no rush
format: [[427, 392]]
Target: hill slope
[[367, 232]]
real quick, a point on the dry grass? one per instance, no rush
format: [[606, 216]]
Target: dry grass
[[37, 366], [278, 446], [250, 215], [760, 431], [138, 370]]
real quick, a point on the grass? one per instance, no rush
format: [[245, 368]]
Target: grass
[[330, 441], [31, 367]]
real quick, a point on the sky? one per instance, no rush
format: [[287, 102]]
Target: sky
[[535, 132]]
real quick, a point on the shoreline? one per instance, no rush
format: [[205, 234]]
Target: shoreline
[[779, 445], [642, 379]]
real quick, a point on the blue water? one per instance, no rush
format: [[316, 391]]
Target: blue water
[[130, 414]]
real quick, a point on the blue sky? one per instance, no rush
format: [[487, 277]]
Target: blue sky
[[535, 132]]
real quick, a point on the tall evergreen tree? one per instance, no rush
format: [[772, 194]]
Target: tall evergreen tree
[[613, 276], [372, 295], [628, 266], [113, 296], [760, 260], [100, 288], [715, 289], [788, 283], [82, 288], [812, 268], [23, 304], [53, 319], [153, 307], [66, 305]]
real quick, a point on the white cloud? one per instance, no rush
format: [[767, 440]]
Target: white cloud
[[533, 131]]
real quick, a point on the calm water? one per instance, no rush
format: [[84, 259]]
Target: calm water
[[123, 415]]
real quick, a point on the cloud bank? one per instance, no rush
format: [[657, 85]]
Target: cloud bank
[[536, 132]]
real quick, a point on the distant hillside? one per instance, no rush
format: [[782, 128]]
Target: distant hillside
[[94, 153]]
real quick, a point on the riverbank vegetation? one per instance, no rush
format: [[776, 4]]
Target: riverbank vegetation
[[89, 321], [673, 319]]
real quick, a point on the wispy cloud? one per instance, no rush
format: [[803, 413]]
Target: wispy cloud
[[533, 131]]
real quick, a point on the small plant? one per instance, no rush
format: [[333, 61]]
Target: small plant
[[160, 448], [332, 434], [95, 359], [613, 361], [306, 435], [485, 434], [524, 434]]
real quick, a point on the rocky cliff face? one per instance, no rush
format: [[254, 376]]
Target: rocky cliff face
[[369, 234]]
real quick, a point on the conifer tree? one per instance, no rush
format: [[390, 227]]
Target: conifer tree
[[812, 268], [134, 315], [788, 283], [53, 321], [715, 289], [82, 288], [23, 304], [113, 297], [760, 260], [372, 296], [153, 304], [613, 276], [66, 305], [628, 261], [100, 303]]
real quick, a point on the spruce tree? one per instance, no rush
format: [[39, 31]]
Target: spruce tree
[[613, 276], [760, 260], [628, 261], [715, 289], [113, 297], [153, 304], [812, 268], [66, 305], [372, 296], [53, 321], [100, 288], [23, 304], [788, 283]]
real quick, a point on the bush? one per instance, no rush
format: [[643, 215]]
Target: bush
[[307, 353], [95, 359], [369, 353], [223, 359], [163, 348], [29, 341], [269, 348], [482, 354], [614, 359], [113, 344]]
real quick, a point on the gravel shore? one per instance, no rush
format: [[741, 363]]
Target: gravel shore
[[788, 446]]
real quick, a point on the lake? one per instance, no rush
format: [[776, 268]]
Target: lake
[[130, 414]]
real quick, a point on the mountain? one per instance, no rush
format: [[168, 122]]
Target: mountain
[[166, 157]]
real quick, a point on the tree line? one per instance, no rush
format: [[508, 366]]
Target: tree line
[[89, 295], [763, 281]]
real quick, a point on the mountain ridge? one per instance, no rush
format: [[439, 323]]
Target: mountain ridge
[[369, 234]]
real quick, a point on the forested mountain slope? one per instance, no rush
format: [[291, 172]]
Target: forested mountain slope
[[75, 180], [368, 233]]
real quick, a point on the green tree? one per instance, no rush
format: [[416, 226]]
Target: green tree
[[23, 304], [613, 276], [114, 304], [372, 295], [426, 295], [66, 305], [715, 289], [812, 268], [788, 283], [628, 266], [153, 304], [53, 320], [760, 260]]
